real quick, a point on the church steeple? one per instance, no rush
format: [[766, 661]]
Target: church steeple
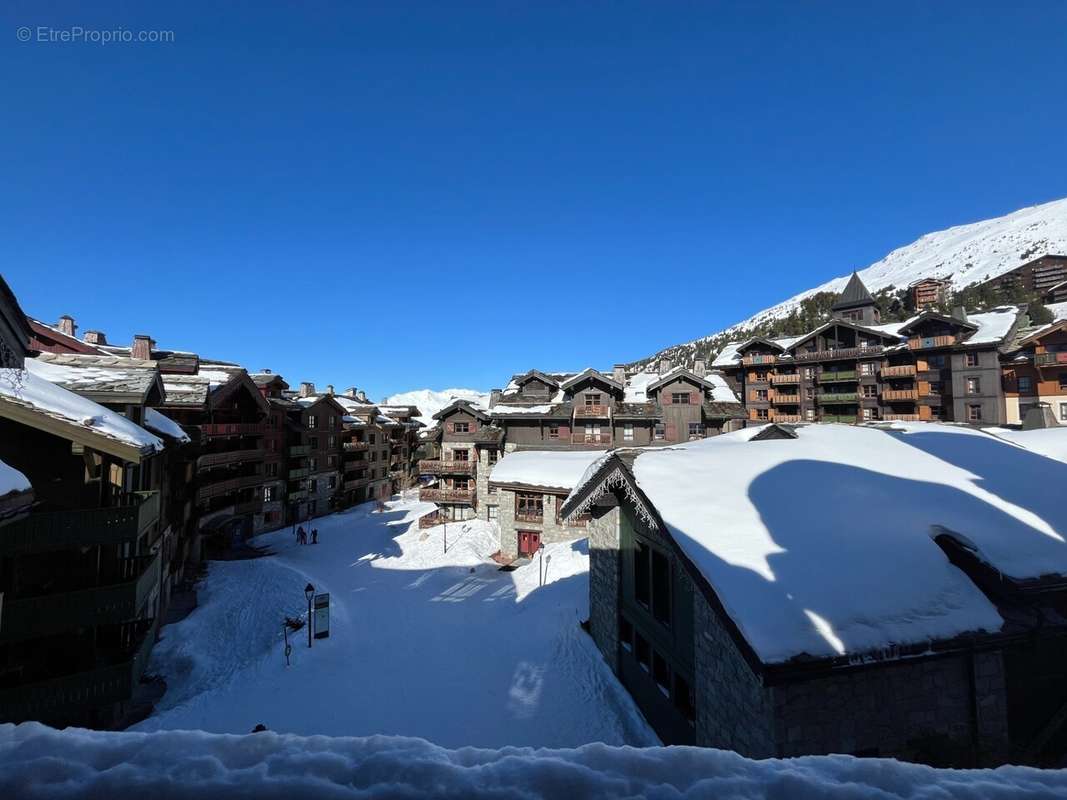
[[856, 304]]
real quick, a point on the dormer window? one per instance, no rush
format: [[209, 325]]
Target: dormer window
[[592, 399], [680, 398]]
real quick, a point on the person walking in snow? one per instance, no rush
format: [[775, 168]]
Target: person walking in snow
[[303, 535], [314, 535], [299, 534]]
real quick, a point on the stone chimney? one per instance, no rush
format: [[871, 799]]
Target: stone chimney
[[664, 366], [362, 395], [94, 337], [960, 313], [700, 367], [494, 397], [66, 325], [618, 373], [329, 389], [142, 346], [349, 392], [306, 389]]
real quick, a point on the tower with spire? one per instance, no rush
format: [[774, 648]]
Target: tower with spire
[[856, 304]]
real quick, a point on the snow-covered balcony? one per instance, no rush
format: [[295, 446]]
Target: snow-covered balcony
[[436, 495]]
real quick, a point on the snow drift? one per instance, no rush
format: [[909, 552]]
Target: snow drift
[[39, 763]]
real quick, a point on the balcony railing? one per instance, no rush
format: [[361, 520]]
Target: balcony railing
[[435, 467], [840, 352], [899, 371], [231, 457], [447, 495], [850, 418], [786, 418], [779, 399], [59, 530], [101, 605], [1046, 359], [927, 342], [754, 360], [430, 520], [901, 417], [353, 444], [590, 438], [230, 485], [757, 397], [593, 412], [786, 379], [529, 516], [296, 474], [830, 398], [355, 483], [837, 377], [298, 450], [900, 394], [233, 429]]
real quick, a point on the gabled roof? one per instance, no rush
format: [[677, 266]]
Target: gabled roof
[[841, 323], [935, 316], [186, 391], [105, 379], [238, 380], [531, 374], [44, 335], [1033, 335], [592, 374], [855, 295], [676, 374], [462, 405], [759, 340], [929, 279], [14, 327]]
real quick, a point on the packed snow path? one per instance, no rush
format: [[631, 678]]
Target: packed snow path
[[422, 643]]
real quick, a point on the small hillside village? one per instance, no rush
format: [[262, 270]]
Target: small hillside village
[[847, 541]]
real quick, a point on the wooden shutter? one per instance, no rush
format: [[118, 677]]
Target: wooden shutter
[[694, 398], [671, 431], [450, 427]]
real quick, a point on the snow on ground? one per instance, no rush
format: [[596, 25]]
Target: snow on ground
[[423, 643], [1051, 442], [430, 401], [38, 763], [823, 544]]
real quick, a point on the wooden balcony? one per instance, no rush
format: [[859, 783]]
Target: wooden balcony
[[785, 418], [756, 360], [230, 485], [839, 376], [900, 417], [900, 394], [831, 398], [431, 519], [59, 530], [785, 379], [529, 516], [231, 457], [755, 397], [353, 445], [592, 412], [846, 418], [448, 495], [1050, 359], [779, 399], [233, 429], [355, 483], [899, 371], [590, 438], [432, 467], [928, 342], [49, 614], [840, 353]]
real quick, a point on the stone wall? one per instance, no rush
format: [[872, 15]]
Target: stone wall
[[915, 710], [603, 531], [550, 530]]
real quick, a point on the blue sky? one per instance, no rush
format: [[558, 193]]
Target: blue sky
[[406, 195]]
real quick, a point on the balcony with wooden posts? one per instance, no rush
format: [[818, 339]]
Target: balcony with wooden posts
[[900, 417], [930, 342], [233, 429], [227, 486], [898, 371], [755, 360], [839, 353], [840, 376], [60, 530], [440, 467], [590, 438], [530, 516], [838, 398], [592, 412], [791, 378], [846, 418], [444, 495], [353, 445], [230, 457], [1050, 359], [785, 418], [783, 399], [896, 395]]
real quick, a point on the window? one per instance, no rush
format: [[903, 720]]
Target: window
[[461, 427], [1063, 412], [1063, 380], [974, 413], [529, 506], [809, 373], [313, 485], [626, 634], [272, 470], [313, 442], [683, 698], [809, 414], [761, 394], [331, 461], [761, 413], [592, 399], [660, 431], [313, 463], [867, 368], [331, 441], [936, 362], [460, 455], [553, 430], [870, 390], [492, 512], [313, 421], [642, 652], [331, 482], [935, 387], [642, 556], [974, 385], [868, 413], [809, 392], [696, 430], [371, 438], [492, 489], [680, 398], [333, 422], [1026, 383], [462, 484], [268, 494], [628, 432], [971, 359], [661, 588], [492, 457], [373, 455], [661, 673]]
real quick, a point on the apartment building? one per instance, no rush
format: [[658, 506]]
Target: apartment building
[[854, 368], [929, 292], [1045, 276], [1035, 373]]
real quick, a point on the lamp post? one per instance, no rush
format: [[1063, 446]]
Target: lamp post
[[309, 592]]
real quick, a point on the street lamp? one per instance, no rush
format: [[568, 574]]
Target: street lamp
[[309, 592]]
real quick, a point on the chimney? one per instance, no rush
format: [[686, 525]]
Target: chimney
[[306, 389], [494, 397], [664, 366], [700, 367], [349, 392], [618, 373], [329, 389], [264, 371], [66, 325], [960, 313], [142, 346], [362, 395], [94, 337]]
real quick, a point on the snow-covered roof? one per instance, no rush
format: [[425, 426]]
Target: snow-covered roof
[[823, 545], [1059, 310], [91, 374], [28, 389], [186, 390], [1050, 442], [161, 423], [993, 325], [548, 469], [12, 481], [518, 409]]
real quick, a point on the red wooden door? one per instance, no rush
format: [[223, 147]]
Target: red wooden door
[[529, 541]]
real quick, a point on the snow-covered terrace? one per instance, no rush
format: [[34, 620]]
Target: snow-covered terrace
[[543, 469]]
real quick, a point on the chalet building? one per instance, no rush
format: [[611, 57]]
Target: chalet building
[[316, 426], [1035, 372], [369, 450], [1045, 276], [855, 369], [80, 568], [404, 438], [469, 445], [731, 596], [929, 292]]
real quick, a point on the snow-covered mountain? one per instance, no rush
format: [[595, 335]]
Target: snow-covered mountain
[[964, 255], [430, 401]]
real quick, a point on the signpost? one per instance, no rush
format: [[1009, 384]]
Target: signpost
[[322, 615]]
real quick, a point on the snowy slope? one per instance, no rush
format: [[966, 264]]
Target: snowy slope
[[430, 401], [964, 255]]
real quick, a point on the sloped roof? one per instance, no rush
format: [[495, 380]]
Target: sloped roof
[[854, 295], [462, 405], [105, 378], [592, 374]]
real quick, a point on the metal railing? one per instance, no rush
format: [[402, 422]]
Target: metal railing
[[840, 375], [58, 530]]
